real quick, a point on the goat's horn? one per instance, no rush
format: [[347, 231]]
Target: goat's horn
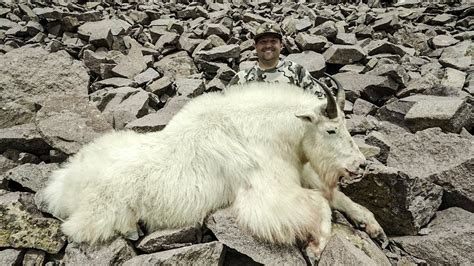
[[331, 107], [340, 94]]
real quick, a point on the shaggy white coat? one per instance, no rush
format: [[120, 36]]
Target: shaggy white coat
[[245, 149]]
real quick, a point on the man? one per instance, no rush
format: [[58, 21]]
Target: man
[[269, 68]]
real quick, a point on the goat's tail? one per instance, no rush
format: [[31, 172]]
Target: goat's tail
[[54, 195]]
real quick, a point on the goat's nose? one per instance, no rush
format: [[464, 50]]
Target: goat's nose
[[363, 165]]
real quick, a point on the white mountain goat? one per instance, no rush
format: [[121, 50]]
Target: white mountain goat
[[256, 148]]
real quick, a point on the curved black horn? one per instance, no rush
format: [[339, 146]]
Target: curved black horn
[[331, 107], [340, 94]]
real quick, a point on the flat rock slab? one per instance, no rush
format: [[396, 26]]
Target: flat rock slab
[[310, 60], [201, 254], [448, 242], [429, 152], [176, 65], [223, 224], [67, 122], [169, 239], [114, 26], [31, 176], [344, 54], [369, 87], [114, 253], [23, 226], [402, 204], [11, 256], [26, 138], [448, 113]]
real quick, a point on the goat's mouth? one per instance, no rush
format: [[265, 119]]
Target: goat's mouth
[[350, 176]]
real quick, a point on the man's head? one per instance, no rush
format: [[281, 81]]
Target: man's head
[[268, 44]]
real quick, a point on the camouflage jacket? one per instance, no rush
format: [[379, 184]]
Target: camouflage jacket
[[285, 71]]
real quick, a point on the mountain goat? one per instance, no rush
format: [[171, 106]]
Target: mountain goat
[[272, 152]]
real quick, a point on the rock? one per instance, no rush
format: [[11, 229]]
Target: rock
[[16, 113], [202, 254], [189, 87], [146, 77], [442, 19], [132, 64], [221, 52], [380, 47], [344, 54], [382, 141], [385, 23], [345, 38], [222, 223], [102, 27], [11, 256], [161, 86], [34, 257], [114, 83], [23, 226], [448, 113], [363, 107], [217, 29], [457, 184], [420, 85], [311, 61], [67, 122], [449, 240], [157, 121], [31, 176], [340, 251], [454, 78], [369, 87], [359, 124], [169, 239], [117, 252], [429, 152], [310, 42], [122, 105], [176, 65], [327, 29], [460, 63], [394, 71], [25, 138], [401, 203], [30, 74], [441, 41]]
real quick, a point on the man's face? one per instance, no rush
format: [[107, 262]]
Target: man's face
[[268, 48]]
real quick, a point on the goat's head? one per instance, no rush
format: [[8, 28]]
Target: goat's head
[[327, 143]]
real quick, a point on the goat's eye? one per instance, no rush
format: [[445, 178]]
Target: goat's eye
[[331, 131]]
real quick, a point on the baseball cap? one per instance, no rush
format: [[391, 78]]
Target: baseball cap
[[267, 28]]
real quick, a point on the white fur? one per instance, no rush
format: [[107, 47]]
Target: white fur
[[244, 148]]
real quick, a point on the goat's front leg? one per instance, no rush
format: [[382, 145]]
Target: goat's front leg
[[360, 215]]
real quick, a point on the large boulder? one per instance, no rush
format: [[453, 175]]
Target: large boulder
[[116, 252]]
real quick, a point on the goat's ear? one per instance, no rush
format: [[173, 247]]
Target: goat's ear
[[307, 117]]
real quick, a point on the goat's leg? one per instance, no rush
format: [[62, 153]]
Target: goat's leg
[[358, 214]]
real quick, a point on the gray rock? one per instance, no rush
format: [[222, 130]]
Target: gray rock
[[454, 78], [6, 24], [442, 19], [429, 152], [32, 73], [113, 82], [250, 16], [394, 71], [217, 29], [420, 85], [122, 105], [459, 63], [358, 124], [340, 251], [363, 107], [193, 12], [221, 52], [169, 239], [345, 38], [380, 47], [311, 61], [132, 64], [369, 87], [161, 86], [385, 23], [167, 41], [25, 138], [459, 50], [327, 29], [190, 88], [31, 176], [449, 241], [402, 204], [102, 27], [34, 257], [68, 121], [146, 76], [117, 252], [344, 54], [23, 226], [310, 42], [188, 44], [223, 224], [382, 141], [176, 65], [448, 113], [157, 121], [441, 41], [11, 256], [457, 184], [202, 254], [215, 84]]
